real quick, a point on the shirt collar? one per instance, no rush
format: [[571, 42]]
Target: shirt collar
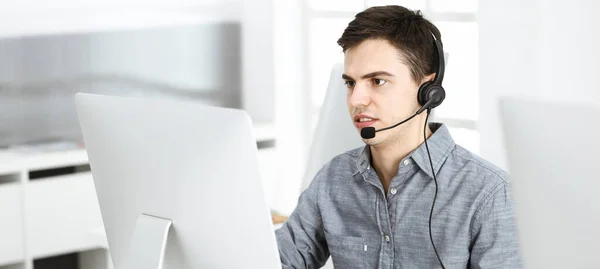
[[440, 144], [364, 159]]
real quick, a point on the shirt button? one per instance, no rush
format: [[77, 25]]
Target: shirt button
[[406, 162], [387, 238], [393, 191]]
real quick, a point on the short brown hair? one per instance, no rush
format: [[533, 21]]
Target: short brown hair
[[405, 29]]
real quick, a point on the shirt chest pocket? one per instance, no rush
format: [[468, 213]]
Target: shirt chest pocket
[[350, 252]]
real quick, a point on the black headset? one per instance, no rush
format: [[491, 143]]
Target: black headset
[[431, 93]]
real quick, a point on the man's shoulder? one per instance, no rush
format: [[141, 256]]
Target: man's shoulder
[[348, 157], [465, 161], [338, 171], [344, 163]]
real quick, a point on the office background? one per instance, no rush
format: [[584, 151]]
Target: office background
[[271, 58]]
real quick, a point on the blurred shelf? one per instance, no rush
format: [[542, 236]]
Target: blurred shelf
[[23, 158], [14, 161]]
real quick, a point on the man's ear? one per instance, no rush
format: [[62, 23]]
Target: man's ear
[[429, 77]]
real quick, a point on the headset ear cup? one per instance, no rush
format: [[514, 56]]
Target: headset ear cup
[[422, 94], [429, 91], [437, 94]]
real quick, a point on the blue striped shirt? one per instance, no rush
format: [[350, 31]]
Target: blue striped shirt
[[345, 214]]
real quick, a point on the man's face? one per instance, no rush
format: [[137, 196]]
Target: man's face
[[381, 91]]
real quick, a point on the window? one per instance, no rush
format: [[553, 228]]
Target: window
[[454, 5], [467, 138], [461, 77], [412, 4], [336, 5], [325, 21], [323, 53]]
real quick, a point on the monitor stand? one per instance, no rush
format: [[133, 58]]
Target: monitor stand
[[148, 243]]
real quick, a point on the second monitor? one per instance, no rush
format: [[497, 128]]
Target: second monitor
[[178, 172]]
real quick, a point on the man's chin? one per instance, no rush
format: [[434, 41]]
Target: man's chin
[[371, 141]]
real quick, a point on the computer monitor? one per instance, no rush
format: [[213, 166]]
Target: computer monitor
[[179, 172], [553, 154]]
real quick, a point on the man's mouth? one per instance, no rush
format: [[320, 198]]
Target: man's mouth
[[362, 121]]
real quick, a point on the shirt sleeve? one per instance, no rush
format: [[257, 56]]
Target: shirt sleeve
[[495, 233], [301, 239]]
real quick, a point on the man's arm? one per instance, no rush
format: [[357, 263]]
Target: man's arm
[[301, 240], [496, 243]]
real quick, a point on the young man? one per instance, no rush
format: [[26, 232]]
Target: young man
[[370, 207]]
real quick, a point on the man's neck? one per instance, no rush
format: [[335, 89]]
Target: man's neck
[[386, 158]]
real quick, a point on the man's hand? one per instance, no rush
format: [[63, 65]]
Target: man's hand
[[277, 218]]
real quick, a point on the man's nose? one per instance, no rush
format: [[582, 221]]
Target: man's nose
[[359, 96]]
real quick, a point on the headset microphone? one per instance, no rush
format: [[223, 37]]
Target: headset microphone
[[369, 132]]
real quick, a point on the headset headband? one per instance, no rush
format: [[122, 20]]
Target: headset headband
[[439, 75]]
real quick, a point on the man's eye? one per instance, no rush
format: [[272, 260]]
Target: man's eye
[[379, 82], [349, 83]]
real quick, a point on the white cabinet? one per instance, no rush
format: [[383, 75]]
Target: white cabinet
[[48, 208], [12, 247], [13, 266], [63, 215]]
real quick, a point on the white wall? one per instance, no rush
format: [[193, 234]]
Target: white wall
[[94, 4], [274, 88], [545, 48], [34, 17], [290, 103], [258, 63]]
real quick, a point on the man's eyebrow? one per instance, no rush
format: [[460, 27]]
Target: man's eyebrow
[[346, 77], [376, 74], [370, 75]]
